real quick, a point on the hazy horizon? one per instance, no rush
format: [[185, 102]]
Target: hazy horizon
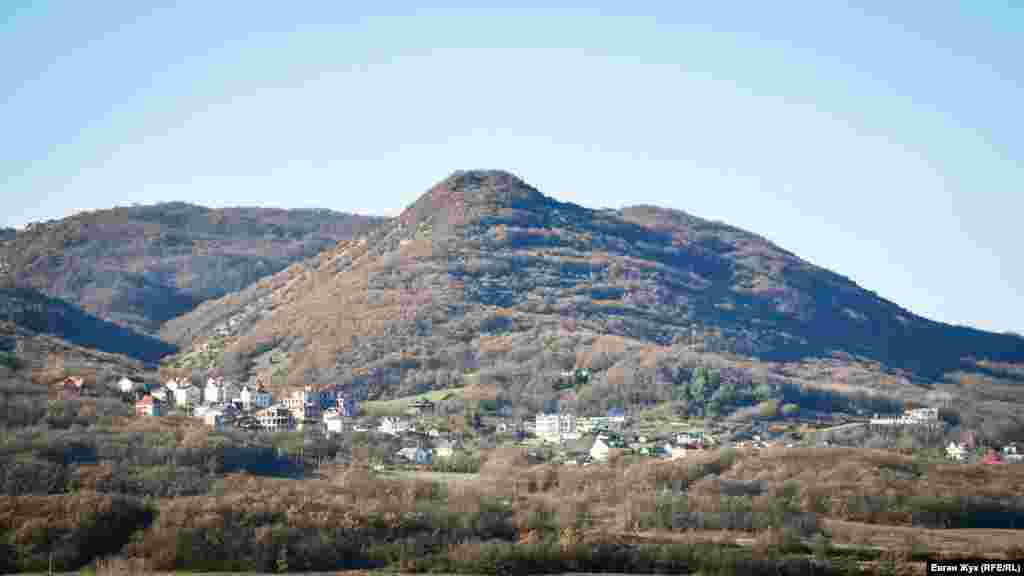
[[882, 142]]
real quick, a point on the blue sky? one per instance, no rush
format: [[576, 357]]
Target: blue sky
[[883, 140]]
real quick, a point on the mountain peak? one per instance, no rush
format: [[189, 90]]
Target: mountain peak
[[468, 194]]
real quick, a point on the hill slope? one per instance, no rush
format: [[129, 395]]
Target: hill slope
[[140, 266], [484, 272]]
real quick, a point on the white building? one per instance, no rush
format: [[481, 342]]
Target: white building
[[275, 418], [909, 418], [556, 427], [394, 425], [600, 451], [126, 385], [218, 390], [334, 422], [187, 396], [956, 451], [444, 449], [417, 455], [255, 398]]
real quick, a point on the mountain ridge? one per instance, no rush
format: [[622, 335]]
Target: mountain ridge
[[138, 266], [482, 267]]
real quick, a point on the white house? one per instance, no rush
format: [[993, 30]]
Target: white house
[[187, 396], [434, 433], [126, 385], [556, 427], [956, 451], [255, 398], [444, 449], [599, 451], [394, 425], [275, 418], [218, 390], [418, 455], [334, 422]]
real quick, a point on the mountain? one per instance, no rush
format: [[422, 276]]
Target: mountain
[[485, 276], [142, 265]]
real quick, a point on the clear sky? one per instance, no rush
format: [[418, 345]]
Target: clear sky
[[883, 140]]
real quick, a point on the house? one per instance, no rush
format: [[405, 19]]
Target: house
[[394, 425], [346, 406], [327, 397], [148, 406], [334, 422], [617, 415], [957, 452], [276, 417], [127, 385], [417, 455], [214, 419], [914, 416], [218, 390], [255, 398], [690, 439], [70, 387], [187, 396], [556, 427], [600, 451], [1011, 453], [434, 433], [304, 405], [993, 457], [444, 448]]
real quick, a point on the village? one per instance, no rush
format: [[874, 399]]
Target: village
[[560, 437]]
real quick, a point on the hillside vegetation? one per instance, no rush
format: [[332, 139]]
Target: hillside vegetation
[[142, 265], [485, 275]]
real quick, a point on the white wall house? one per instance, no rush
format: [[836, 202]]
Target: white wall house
[[334, 422], [600, 451], [218, 390], [956, 451], [255, 398], [127, 385], [187, 396], [394, 425], [556, 427]]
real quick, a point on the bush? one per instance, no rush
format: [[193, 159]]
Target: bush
[[790, 410]]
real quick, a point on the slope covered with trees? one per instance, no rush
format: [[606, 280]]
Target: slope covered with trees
[[484, 277], [142, 265]]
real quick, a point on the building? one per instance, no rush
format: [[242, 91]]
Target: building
[[346, 406], [304, 405], [1011, 453], [956, 451], [214, 419], [334, 422], [600, 451], [416, 455], [218, 390], [394, 425], [187, 396], [275, 418], [444, 448], [149, 406], [70, 387], [912, 417], [255, 398], [556, 427], [127, 385]]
